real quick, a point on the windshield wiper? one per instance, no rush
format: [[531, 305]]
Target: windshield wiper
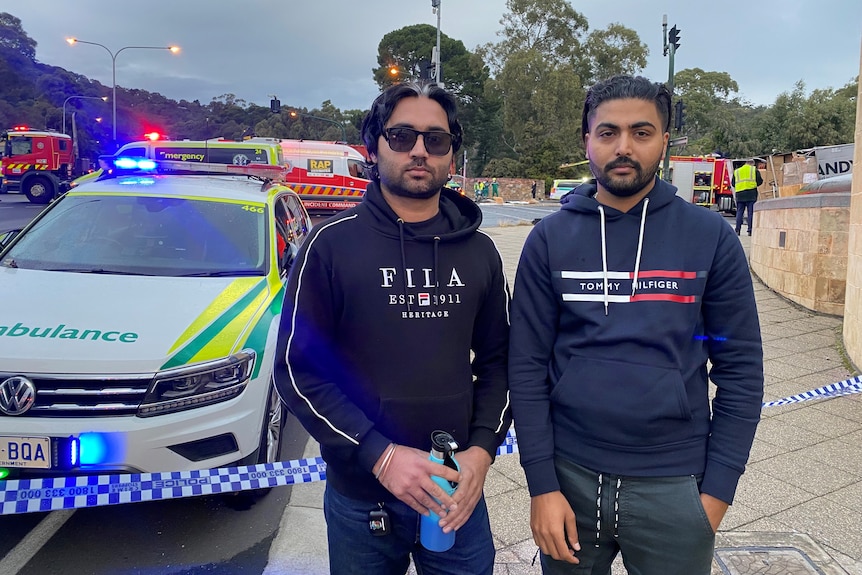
[[223, 274], [95, 271]]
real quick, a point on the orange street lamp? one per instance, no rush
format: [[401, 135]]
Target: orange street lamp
[[66, 101]]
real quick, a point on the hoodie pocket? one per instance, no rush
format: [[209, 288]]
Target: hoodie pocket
[[411, 420], [621, 403]]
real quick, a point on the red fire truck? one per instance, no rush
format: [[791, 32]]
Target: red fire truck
[[39, 164], [704, 180]]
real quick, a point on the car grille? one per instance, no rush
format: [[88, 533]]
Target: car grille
[[62, 396]]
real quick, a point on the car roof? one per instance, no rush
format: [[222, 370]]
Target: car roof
[[211, 187]]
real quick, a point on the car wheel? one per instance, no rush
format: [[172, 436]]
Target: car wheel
[[39, 190], [269, 448]]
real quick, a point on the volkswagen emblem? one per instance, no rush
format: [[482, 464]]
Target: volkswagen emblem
[[17, 395]]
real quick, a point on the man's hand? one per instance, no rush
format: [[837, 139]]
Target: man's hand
[[408, 477], [715, 510], [474, 464], [554, 529]]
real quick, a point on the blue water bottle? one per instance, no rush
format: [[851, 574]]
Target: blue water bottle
[[443, 447]]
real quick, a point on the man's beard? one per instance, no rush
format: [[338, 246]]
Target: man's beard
[[624, 187], [398, 186]]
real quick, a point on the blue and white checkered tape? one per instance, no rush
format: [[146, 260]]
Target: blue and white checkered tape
[[51, 494], [846, 387]]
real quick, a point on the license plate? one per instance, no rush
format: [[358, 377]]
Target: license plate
[[27, 452]]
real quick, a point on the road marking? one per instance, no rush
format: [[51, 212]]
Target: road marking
[[27, 548]]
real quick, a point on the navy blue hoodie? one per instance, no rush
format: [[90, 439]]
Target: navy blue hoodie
[[378, 323], [614, 318]]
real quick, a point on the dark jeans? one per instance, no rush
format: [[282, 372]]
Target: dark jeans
[[657, 523], [353, 550], [741, 207]]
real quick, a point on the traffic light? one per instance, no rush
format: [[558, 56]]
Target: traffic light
[[679, 115], [275, 105], [426, 70], [674, 37]]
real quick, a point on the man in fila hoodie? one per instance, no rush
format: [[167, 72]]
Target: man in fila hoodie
[[621, 299], [384, 305]]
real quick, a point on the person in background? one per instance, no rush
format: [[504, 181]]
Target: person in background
[[618, 328], [495, 188], [380, 347], [746, 179], [533, 189]]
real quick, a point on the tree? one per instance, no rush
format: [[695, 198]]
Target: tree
[[14, 39], [550, 27], [615, 50], [713, 121]]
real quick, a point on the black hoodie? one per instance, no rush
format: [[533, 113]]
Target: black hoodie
[[378, 323]]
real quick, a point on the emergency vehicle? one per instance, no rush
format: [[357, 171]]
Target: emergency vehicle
[[329, 177], [164, 360], [40, 164], [213, 151], [704, 180]]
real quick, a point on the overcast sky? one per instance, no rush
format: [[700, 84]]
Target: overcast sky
[[308, 51]]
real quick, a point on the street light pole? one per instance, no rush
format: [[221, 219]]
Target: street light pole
[[73, 41], [103, 98], [294, 113], [435, 4]]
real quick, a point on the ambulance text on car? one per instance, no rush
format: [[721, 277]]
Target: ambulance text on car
[[139, 318]]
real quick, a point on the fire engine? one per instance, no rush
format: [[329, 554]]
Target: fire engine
[[40, 164], [704, 180]]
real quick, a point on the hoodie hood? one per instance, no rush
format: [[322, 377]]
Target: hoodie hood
[[583, 199], [460, 217]]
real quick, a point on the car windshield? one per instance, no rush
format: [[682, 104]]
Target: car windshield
[[567, 184], [137, 235]]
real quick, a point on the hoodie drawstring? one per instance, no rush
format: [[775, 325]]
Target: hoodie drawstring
[[403, 261], [605, 252], [604, 261], [640, 246], [436, 268]]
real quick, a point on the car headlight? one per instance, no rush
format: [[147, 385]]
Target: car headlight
[[198, 385]]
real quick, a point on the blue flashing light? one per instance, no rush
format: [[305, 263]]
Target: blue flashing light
[[94, 448], [125, 163], [74, 451], [129, 181]]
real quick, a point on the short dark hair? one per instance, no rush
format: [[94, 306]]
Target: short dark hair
[[384, 104], [624, 86]]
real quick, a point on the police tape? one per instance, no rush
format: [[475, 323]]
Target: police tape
[[77, 492], [846, 387]]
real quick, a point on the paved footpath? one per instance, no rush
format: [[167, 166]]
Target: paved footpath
[[798, 509]]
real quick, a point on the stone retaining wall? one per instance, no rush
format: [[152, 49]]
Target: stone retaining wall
[[799, 248]]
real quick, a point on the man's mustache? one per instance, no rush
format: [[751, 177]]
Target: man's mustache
[[622, 163]]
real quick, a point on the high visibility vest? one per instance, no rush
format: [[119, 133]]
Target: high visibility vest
[[745, 178]]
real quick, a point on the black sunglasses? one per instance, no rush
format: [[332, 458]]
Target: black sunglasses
[[404, 139]]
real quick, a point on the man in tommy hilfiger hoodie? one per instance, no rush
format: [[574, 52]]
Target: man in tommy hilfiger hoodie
[[384, 305], [621, 299]]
